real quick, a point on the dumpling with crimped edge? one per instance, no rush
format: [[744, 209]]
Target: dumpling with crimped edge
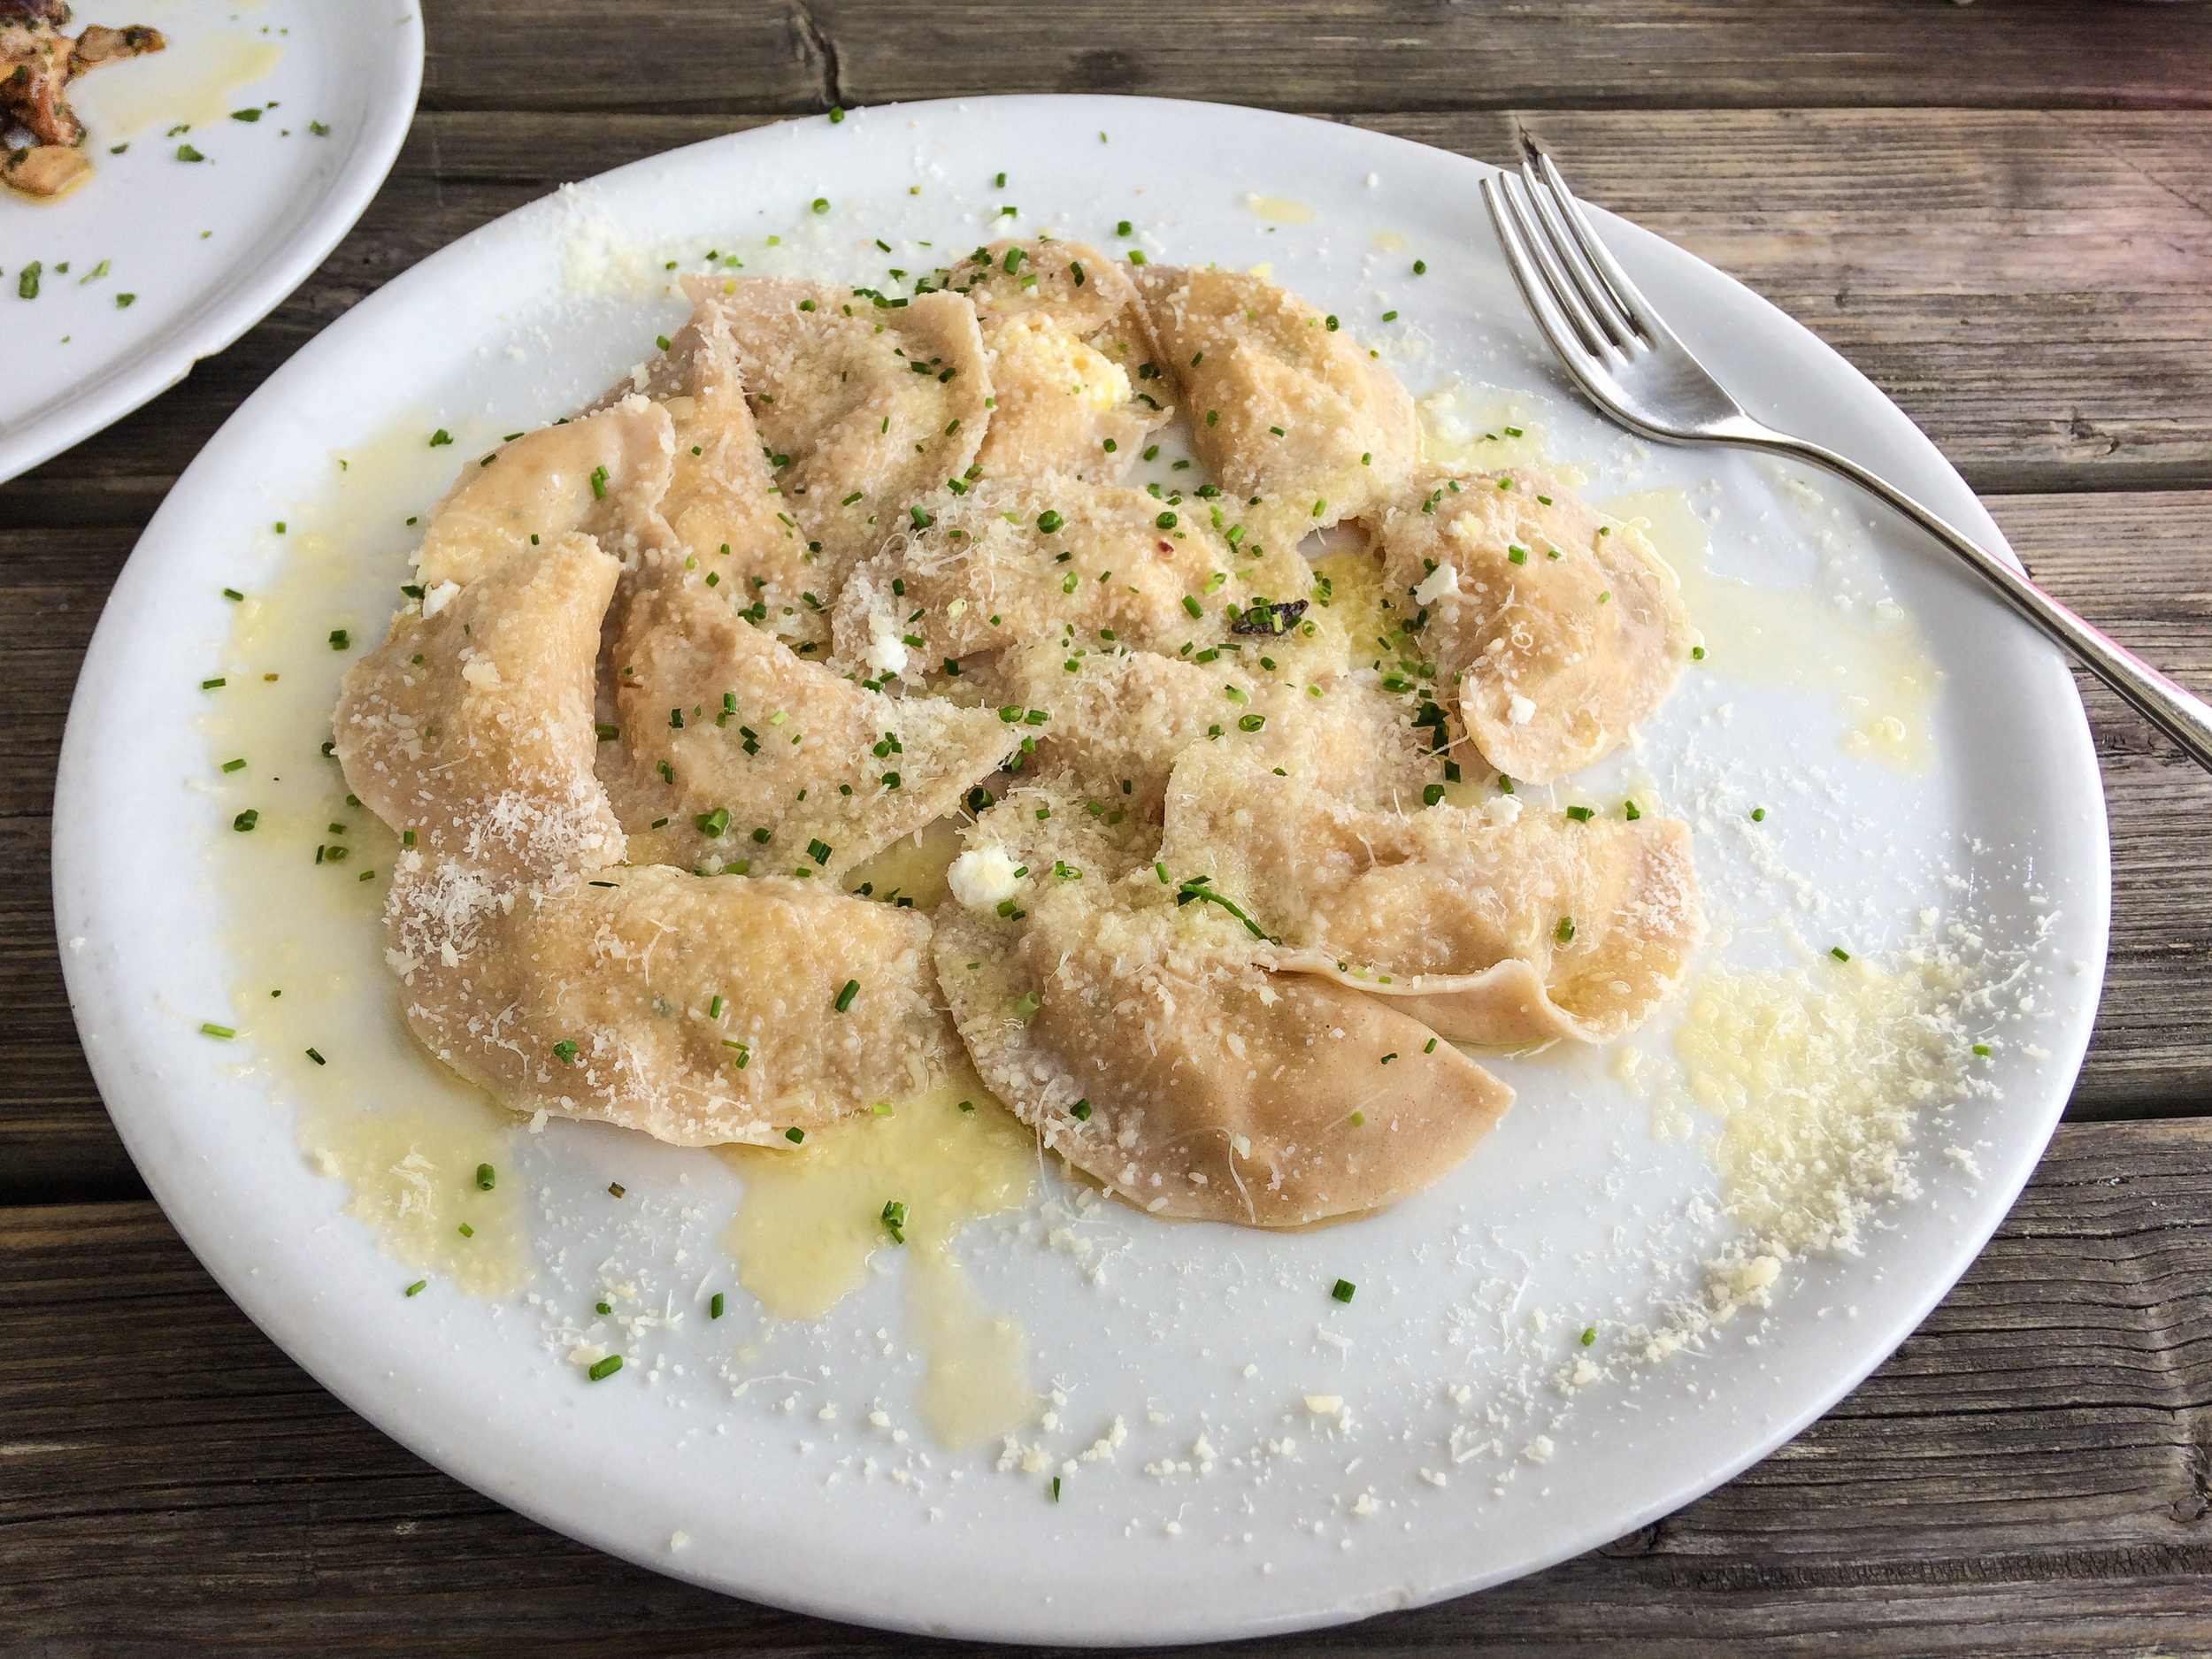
[[697, 1010], [724, 732], [1063, 406], [1282, 406], [1565, 627], [1141, 1039], [602, 476], [1064, 335], [723, 507], [1496, 928], [1071, 284], [1017, 559], [865, 408], [471, 726], [1117, 720]]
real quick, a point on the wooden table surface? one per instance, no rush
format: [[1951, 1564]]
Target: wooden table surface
[[2001, 213]]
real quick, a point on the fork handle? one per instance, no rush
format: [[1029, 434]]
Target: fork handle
[[2183, 717]]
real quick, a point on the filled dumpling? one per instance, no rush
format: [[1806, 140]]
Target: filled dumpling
[[1564, 627], [469, 729], [733, 752], [1284, 407], [697, 1010], [1502, 926], [1143, 1039], [602, 476], [863, 409]]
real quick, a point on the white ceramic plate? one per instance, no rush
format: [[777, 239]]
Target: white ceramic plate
[[1472, 1298], [206, 248]]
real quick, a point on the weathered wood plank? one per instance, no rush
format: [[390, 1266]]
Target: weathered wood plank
[[2035, 288], [2140, 568], [706, 56], [2026, 1477]]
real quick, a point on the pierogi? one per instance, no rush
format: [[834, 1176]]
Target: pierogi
[[834, 569]]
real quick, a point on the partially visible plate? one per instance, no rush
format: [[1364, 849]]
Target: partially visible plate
[[1289, 1459], [205, 248]]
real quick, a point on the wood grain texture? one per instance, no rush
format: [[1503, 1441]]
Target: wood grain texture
[[2026, 1477], [2035, 288], [789, 56], [2139, 564]]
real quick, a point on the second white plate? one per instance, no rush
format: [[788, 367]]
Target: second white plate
[[156, 262]]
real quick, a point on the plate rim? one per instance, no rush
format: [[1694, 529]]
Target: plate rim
[[74, 809], [292, 257]]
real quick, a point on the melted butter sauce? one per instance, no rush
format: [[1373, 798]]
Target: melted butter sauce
[[1870, 659], [193, 81], [1474, 428], [912, 867], [1280, 209], [811, 1221], [375, 1112]]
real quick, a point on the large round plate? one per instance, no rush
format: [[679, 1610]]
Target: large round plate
[[1472, 1298], [205, 248]]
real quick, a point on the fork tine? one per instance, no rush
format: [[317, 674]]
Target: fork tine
[[1597, 293], [1573, 351], [1535, 245], [1624, 292]]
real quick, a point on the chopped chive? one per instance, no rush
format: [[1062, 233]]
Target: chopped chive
[[1358, 1120], [599, 483], [234, 765], [605, 1367], [845, 998], [207, 1028], [317, 1058], [416, 1288], [1984, 1050], [1589, 1335], [210, 685], [1582, 814], [795, 1136], [486, 1178], [1431, 1047], [246, 821], [714, 1306], [1630, 811], [1839, 953], [894, 1220], [565, 1051], [1343, 1290], [1080, 1111]]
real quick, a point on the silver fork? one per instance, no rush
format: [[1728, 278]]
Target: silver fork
[[1629, 363]]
